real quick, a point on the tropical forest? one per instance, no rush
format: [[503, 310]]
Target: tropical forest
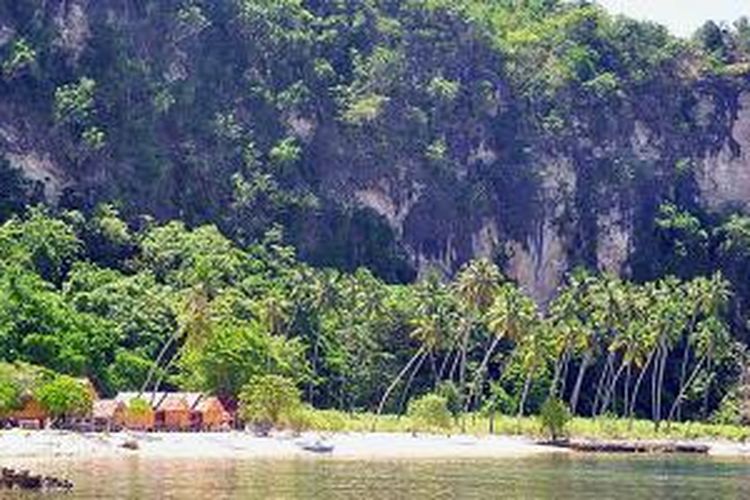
[[386, 213]]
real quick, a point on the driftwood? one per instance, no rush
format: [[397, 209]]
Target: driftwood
[[617, 446], [24, 480]]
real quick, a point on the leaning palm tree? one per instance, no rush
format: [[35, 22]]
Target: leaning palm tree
[[709, 336], [476, 285], [427, 332], [535, 350], [195, 323], [511, 314]]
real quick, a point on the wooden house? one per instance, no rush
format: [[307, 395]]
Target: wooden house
[[31, 414], [174, 413], [109, 415], [139, 417], [210, 415]]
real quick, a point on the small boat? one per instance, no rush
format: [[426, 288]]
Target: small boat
[[317, 447]]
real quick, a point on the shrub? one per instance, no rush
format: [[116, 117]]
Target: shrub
[[269, 401], [138, 407], [302, 418], [65, 396], [430, 412], [554, 417], [9, 394], [452, 395]]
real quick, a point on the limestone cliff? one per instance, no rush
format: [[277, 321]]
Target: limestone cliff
[[396, 137]]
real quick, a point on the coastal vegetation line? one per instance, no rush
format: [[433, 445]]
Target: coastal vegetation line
[[164, 307]]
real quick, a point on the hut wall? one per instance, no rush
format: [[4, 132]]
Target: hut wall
[[176, 419], [31, 410], [142, 421]]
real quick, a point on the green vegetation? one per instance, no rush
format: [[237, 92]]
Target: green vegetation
[[270, 401], [250, 129], [576, 428], [554, 416], [247, 113], [430, 411], [169, 307], [64, 397], [138, 407]]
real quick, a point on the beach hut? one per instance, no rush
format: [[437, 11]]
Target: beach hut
[[173, 413], [109, 415], [210, 415], [31, 414], [139, 410]]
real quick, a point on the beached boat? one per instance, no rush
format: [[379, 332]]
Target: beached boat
[[317, 446]]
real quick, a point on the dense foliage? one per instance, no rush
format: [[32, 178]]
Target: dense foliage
[[244, 113], [166, 306], [256, 132]]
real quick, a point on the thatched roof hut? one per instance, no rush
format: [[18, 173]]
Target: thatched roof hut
[[173, 412], [109, 414], [30, 410], [211, 414], [139, 411]]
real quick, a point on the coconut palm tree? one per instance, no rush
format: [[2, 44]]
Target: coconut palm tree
[[709, 298], [535, 349], [476, 285], [509, 317], [427, 332]]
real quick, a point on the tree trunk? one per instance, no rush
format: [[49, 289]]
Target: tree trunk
[[462, 367], [660, 392], [564, 376], [683, 388], [558, 373], [637, 387], [579, 381], [626, 395], [479, 378], [654, 378], [159, 358], [525, 393], [611, 389], [600, 384], [409, 382], [433, 368], [683, 373], [444, 366], [395, 382]]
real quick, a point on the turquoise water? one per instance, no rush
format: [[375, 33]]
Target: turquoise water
[[577, 476]]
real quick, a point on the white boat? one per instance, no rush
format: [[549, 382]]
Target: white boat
[[317, 446]]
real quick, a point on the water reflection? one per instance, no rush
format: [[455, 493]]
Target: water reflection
[[539, 477]]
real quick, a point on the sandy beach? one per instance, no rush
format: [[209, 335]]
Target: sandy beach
[[240, 445]]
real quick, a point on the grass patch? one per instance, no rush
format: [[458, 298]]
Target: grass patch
[[475, 424]]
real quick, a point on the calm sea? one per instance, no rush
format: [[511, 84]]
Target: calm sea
[[578, 477]]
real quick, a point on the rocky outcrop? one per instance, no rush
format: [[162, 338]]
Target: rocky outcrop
[[614, 241], [724, 177], [390, 201], [20, 146], [72, 25]]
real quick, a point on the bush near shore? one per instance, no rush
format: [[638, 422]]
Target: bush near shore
[[476, 424]]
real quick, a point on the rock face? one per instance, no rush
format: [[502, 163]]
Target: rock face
[[475, 173], [724, 177], [24, 150], [72, 25]]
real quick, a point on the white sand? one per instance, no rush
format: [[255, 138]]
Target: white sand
[[16, 444], [50, 444]]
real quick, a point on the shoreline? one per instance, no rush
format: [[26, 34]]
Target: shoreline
[[52, 444]]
